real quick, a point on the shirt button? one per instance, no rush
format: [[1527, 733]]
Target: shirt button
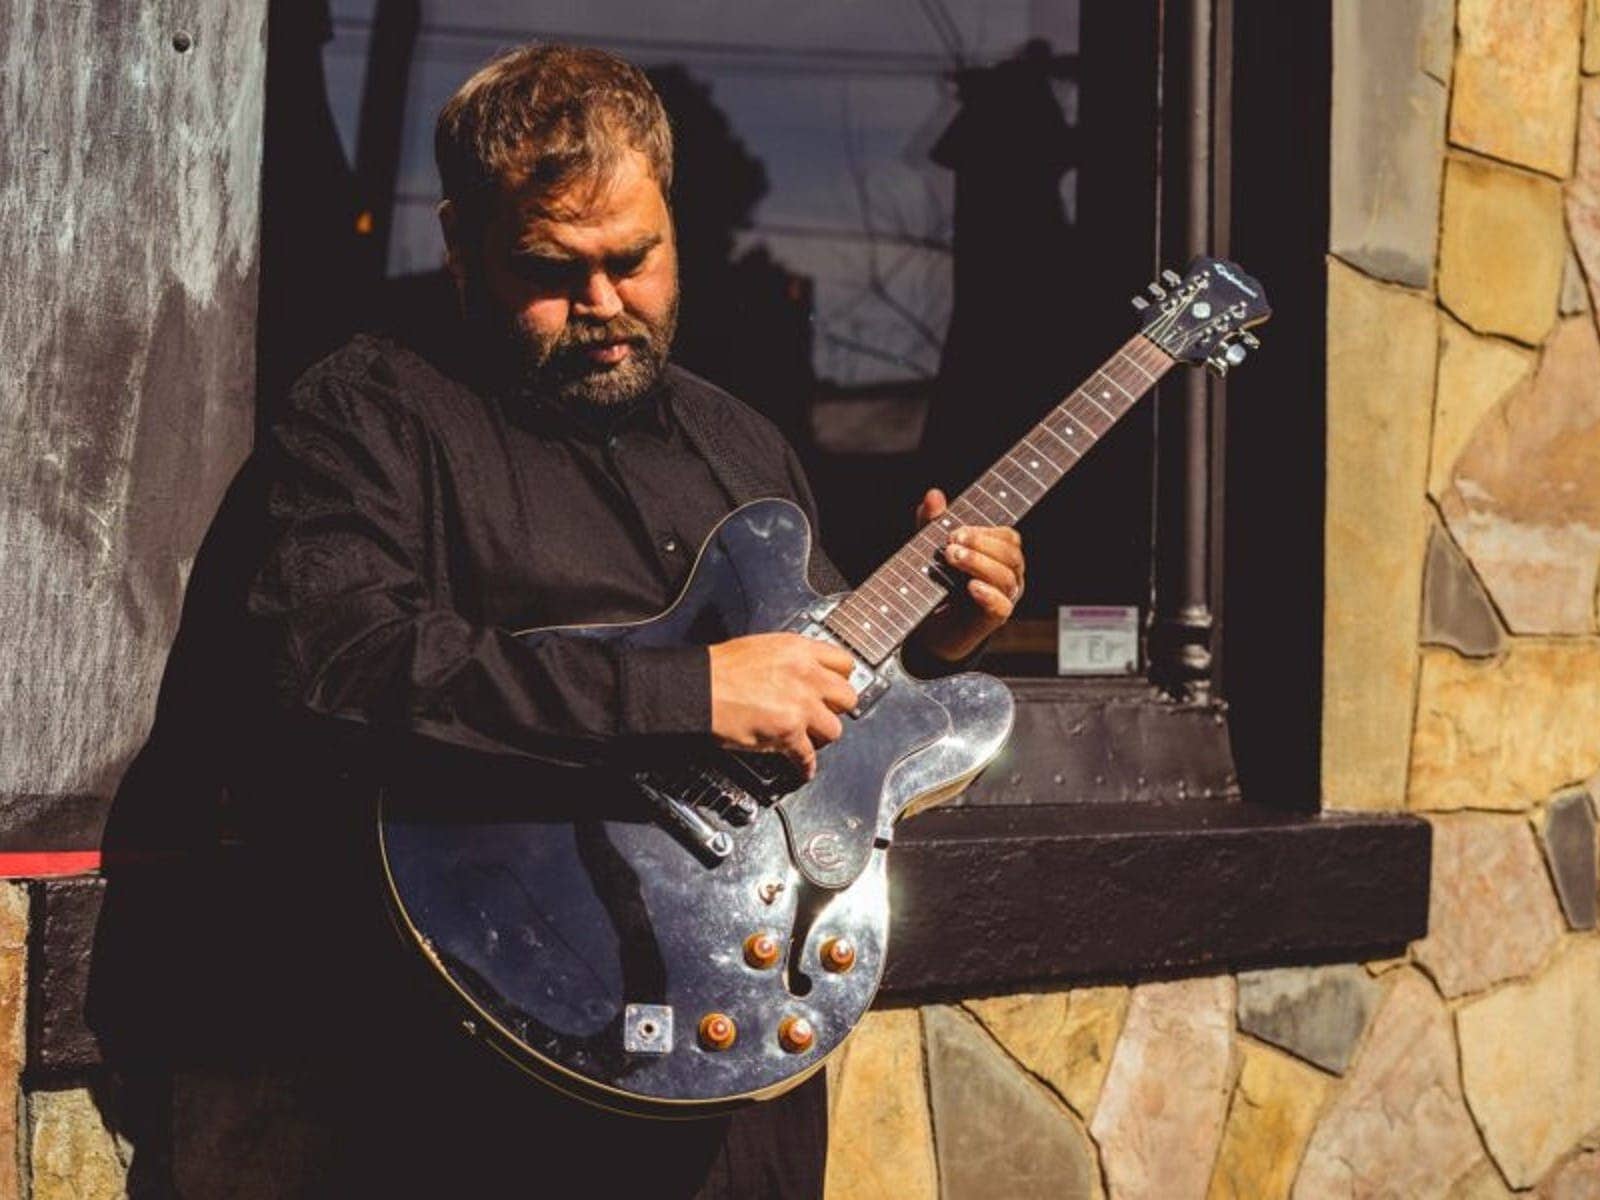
[[670, 545]]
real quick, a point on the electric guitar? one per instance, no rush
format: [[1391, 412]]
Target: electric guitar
[[675, 938]]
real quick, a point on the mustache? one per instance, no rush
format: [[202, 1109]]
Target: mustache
[[621, 328]]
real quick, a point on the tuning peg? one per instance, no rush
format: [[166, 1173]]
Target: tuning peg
[[1156, 290], [1218, 366], [1171, 278], [1234, 354], [1250, 340], [1140, 304]]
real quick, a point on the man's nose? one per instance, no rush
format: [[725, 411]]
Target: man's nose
[[597, 297]]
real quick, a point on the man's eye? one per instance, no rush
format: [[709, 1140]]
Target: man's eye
[[629, 264], [541, 272]]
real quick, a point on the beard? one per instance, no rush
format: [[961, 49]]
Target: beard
[[557, 367]]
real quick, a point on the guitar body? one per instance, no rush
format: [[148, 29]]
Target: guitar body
[[588, 931], [678, 937]]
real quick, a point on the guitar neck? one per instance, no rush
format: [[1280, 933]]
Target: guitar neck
[[880, 614]]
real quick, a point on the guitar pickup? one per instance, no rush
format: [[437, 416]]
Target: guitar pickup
[[868, 689]]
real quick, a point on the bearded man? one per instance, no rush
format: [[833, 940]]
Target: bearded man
[[554, 468]]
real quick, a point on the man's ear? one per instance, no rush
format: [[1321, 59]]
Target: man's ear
[[454, 253]]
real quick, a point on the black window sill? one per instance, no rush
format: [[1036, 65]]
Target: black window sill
[[989, 899], [994, 898]]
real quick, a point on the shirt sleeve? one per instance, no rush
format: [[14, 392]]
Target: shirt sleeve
[[351, 599]]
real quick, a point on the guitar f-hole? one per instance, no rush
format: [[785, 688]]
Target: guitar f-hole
[[808, 906]]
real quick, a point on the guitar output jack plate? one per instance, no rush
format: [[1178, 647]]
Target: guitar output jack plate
[[647, 1029]]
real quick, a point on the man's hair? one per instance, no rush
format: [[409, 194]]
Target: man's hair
[[544, 116]]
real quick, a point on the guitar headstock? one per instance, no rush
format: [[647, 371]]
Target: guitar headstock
[[1205, 315]]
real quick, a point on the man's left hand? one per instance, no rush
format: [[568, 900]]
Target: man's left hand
[[992, 556]]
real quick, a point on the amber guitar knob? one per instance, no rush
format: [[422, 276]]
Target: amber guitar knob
[[838, 954], [717, 1031], [796, 1035], [761, 950]]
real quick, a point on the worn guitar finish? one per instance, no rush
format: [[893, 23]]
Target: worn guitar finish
[[678, 937], [552, 928]]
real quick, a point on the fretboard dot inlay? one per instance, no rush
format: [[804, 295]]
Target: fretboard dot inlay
[[1033, 464]]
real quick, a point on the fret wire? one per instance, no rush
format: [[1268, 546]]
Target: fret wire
[[1044, 425], [857, 628], [1134, 363], [888, 603], [1097, 404], [1002, 476], [924, 603], [983, 517], [1106, 394], [1081, 415], [1135, 387], [908, 576], [1112, 380], [1017, 462], [996, 499], [904, 585], [1043, 457]]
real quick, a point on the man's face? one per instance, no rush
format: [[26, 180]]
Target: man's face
[[584, 285]]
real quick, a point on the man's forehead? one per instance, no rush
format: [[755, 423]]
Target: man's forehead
[[625, 202]]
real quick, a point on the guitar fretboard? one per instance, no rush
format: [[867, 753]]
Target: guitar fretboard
[[880, 614]]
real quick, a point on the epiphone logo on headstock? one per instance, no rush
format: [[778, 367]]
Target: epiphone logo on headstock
[[1244, 287]]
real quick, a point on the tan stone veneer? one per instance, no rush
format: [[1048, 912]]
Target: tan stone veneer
[[1502, 248], [1524, 495], [1065, 1038], [1505, 733], [1530, 1061], [878, 1104], [1381, 351], [1516, 80]]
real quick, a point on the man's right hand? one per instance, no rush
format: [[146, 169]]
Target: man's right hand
[[780, 693]]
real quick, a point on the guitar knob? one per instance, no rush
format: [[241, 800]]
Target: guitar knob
[[796, 1035], [717, 1031], [761, 950], [838, 954]]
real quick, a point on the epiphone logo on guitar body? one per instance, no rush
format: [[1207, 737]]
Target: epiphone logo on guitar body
[[587, 929], [824, 850]]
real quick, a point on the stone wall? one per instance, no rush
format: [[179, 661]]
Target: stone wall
[[1462, 657]]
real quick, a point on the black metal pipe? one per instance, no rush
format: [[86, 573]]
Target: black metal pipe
[[1194, 613]]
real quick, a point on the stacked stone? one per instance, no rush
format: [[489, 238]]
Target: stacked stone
[[1462, 681]]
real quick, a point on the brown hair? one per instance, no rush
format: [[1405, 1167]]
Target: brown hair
[[546, 115]]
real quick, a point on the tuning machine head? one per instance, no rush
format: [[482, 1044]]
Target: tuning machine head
[[1230, 354]]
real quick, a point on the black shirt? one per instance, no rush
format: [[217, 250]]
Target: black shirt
[[418, 521]]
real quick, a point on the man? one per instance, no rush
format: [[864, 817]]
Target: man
[[553, 468]]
